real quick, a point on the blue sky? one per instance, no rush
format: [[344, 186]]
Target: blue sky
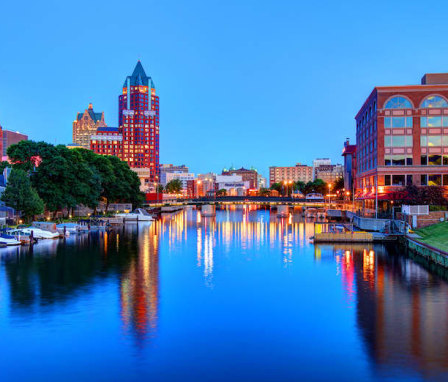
[[248, 83]]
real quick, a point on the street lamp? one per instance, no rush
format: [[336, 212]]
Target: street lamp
[[329, 195]]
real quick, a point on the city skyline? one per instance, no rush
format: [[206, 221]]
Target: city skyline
[[262, 87]]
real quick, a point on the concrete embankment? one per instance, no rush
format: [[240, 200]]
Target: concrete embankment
[[427, 251]]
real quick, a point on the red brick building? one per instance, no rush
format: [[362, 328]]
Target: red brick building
[[136, 140], [107, 141], [402, 137]]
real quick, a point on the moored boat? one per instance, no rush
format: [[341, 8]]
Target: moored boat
[[138, 214]]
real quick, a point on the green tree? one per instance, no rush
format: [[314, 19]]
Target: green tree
[[276, 187], [20, 195], [264, 191], [3, 165], [174, 186], [299, 186], [159, 188], [221, 192]]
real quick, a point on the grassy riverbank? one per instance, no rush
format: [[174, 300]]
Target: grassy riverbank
[[435, 235]]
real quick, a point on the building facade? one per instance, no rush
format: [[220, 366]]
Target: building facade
[[402, 137], [247, 175], [299, 172], [107, 141], [233, 184], [182, 176], [349, 154], [10, 138], [170, 169], [85, 125], [329, 173], [138, 118]]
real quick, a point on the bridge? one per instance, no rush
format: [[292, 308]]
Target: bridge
[[264, 200]]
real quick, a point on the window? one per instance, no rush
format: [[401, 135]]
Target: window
[[445, 179], [431, 121], [398, 180], [387, 180], [423, 140], [424, 160], [398, 160], [397, 122], [434, 140], [434, 160], [408, 180], [434, 180], [434, 101], [398, 103], [398, 141], [424, 180]]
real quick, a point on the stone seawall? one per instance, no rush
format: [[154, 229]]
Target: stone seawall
[[428, 252]]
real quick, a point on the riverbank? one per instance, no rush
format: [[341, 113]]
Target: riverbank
[[435, 235], [431, 243]]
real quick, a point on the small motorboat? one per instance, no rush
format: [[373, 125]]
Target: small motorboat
[[138, 214], [40, 233], [9, 240], [71, 228]]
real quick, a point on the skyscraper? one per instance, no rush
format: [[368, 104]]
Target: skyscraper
[[85, 125], [138, 119]]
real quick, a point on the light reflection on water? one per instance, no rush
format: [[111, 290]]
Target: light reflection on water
[[244, 292]]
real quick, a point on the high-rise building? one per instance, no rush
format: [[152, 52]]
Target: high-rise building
[[85, 125], [402, 138], [299, 172], [138, 119], [136, 140]]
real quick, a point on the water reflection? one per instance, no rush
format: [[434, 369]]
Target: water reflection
[[401, 307], [244, 271], [139, 285]]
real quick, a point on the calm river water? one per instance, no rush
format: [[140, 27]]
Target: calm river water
[[240, 297]]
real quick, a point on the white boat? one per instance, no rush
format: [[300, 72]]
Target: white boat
[[40, 233], [71, 228], [137, 215], [9, 240]]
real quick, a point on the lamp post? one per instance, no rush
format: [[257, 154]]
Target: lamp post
[[329, 195]]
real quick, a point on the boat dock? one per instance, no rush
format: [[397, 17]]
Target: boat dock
[[346, 233]]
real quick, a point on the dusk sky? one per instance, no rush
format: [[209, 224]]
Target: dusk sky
[[248, 83]]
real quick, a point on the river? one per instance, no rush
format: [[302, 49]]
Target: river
[[243, 296]]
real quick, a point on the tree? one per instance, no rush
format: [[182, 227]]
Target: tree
[[159, 188], [432, 195], [221, 192], [174, 186], [65, 178], [338, 185], [3, 165], [299, 186], [264, 191], [20, 195], [276, 187]]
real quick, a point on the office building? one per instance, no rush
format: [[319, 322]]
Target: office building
[[329, 173], [85, 125], [402, 137], [299, 172]]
